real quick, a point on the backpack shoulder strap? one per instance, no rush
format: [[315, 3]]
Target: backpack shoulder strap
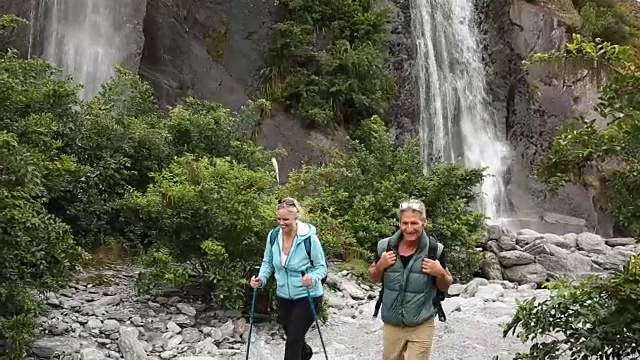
[[307, 246], [383, 245], [273, 235], [435, 248]]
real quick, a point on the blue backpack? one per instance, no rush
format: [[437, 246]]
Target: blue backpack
[[307, 247]]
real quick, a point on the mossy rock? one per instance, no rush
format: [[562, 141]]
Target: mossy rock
[[217, 40], [564, 10]]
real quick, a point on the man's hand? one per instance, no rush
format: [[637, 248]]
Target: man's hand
[[387, 259], [432, 267]]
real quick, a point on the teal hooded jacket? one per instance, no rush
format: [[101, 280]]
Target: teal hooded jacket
[[289, 275]]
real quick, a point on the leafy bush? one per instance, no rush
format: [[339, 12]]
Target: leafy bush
[[596, 318], [616, 22], [207, 217], [328, 60], [355, 197], [9, 24], [37, 249], [603, 158]]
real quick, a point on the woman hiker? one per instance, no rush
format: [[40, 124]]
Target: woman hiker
[[294, 253]]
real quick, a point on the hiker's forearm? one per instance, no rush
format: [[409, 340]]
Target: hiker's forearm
[[376, 273], [444, 281]]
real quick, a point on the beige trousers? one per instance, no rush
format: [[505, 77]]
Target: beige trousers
[[415, 341]]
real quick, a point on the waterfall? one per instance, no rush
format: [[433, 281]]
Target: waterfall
[[457, 123], [86, 38]]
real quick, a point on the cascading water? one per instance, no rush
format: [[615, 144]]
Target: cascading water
[[456, 122], [86, 38]]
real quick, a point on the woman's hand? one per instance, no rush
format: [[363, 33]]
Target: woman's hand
[[307, 280], [255, 282]]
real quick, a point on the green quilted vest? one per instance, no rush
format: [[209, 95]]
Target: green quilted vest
[[408, 293]]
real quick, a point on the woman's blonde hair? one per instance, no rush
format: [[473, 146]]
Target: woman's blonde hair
[[292, 205]]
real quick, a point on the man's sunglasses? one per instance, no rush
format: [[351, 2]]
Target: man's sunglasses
[[413, 205]]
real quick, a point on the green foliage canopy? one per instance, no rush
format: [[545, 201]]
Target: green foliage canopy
[[328, 61], [597, 318]]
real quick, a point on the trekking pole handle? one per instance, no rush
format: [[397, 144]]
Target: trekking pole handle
[[256, 271]]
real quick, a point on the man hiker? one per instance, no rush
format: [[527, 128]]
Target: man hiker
[[409, 285]]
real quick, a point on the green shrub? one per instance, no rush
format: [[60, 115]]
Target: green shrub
[[208, 217], [357, 196], [612, 21], [9, 24], [37, 249], [328, 61], [596, 318]]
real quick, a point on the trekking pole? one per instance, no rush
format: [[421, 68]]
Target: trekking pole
[[253, 308], [315, 317]]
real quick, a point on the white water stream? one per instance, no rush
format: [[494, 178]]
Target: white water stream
[[86, 38], [456, 120]]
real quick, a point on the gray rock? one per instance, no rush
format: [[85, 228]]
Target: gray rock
[[543, 247], [494, 231], [572, 266], [490, 292], [92, 354], [352, 290], [186, 309], [613, 242], [524, 240], [110, 326], [559, 241], [456, 289], [173, 342], [523, 274], [183, 320], [613, 259], [206, 347], [493, 247], [171, 326], [191, 335], [515, 257], [591, 243], [572, 239], [507, 243], [335, 302], [129, 345], [227, 329], [47, 347], [491, 266], [107, 301], [472, 287]]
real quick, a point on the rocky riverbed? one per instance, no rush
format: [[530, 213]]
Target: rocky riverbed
[[108, 321], [99, 316]]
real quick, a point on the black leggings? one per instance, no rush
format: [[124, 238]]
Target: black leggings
[[296, 318]]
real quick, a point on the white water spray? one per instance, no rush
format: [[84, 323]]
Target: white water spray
[[86, 38], [456, 121]]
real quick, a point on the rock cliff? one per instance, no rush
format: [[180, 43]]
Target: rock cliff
[[533, 103], [214, 49]]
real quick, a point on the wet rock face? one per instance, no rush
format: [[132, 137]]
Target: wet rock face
[[534, 103], [209, 49]]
